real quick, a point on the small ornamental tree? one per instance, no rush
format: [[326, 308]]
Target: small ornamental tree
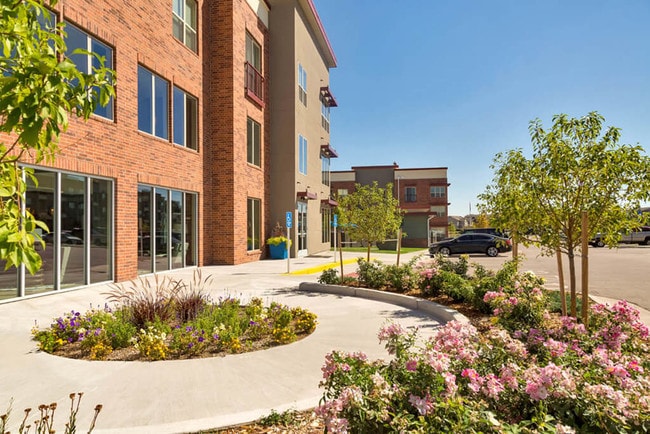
[[575, 167], [370, 214], [39, 88]]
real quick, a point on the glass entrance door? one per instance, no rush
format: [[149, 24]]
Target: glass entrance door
[[301, 227]]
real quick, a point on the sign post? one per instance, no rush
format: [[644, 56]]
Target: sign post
[[289, 224], [335, 224]]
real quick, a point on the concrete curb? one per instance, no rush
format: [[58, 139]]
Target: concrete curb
[[429, 307]]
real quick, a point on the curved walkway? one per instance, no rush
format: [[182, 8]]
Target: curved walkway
[[192, 395]]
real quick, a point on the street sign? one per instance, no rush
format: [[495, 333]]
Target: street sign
[[335, 223], [289, 219]]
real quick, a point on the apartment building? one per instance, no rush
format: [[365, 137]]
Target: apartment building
[[300, 123], [176, 171], [421, 193]]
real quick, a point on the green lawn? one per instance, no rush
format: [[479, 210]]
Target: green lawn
[[377, 250]]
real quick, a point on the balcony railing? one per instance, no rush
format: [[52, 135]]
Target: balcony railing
[[254, 84]]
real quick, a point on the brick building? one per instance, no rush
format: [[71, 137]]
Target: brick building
[[421, 192], [177, 170]]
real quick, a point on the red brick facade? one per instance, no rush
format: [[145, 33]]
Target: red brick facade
[[140, 34]]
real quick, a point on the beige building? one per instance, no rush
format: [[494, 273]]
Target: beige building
[[300, 101]]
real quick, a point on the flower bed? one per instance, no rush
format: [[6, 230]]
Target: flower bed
[[167, 320], [527, 371]]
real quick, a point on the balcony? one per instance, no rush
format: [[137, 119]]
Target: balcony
[[254, 84]]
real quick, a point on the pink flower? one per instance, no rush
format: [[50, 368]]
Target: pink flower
[[412, 365], [422, 405]]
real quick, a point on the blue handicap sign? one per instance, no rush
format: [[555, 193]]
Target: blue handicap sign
[[335, 223], [289, 219]]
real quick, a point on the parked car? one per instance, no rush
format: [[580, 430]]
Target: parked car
[[491, 231], [640, 235], [489, 244]]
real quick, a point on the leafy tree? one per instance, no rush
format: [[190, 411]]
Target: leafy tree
[[575, 166], [370, 214], [482, 221], [39, 88]]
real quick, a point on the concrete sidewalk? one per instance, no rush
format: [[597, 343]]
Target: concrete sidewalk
[[192, 395]]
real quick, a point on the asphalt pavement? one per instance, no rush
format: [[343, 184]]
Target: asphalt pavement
[[181, 396]]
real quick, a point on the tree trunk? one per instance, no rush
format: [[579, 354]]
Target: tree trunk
[[368, 257], [572, 281], [399, 244], [338, 240], [560, 274], [585, 268]]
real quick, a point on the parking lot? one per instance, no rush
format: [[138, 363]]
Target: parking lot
[[621, 273]]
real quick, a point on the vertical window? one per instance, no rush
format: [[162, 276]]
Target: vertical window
[[253, 223], [253, 140], [184, 22], [438, 211], [253, 53], [77, 39], [185, 109], [302, 155], [325, 170], [325, 116], [410, 194], [302, 85], [153, 102], [342, 192], [437, 191], [326, 219]]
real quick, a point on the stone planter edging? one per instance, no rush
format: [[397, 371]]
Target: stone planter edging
[[431, 308]]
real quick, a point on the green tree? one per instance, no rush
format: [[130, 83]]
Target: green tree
[[39, 89], [482, 221], [575, 167], [370, 214]]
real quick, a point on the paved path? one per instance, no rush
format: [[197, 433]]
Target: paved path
[[191, 395]]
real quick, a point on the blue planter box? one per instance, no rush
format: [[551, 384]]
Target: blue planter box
[[278, 251]]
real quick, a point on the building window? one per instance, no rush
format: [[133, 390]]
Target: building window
[[78, 211], [437, 191], [326, 219], [325, 116], [184, 22], [254, 226], [410, 194], [185, 119], [325, 169], [253, 140], [302, 155], [302, 85], [439, 211], [77, 39], [342, 192], [166, 229], [253, 70], [153, 102]]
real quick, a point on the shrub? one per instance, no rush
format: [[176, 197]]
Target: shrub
[[151, 343], [190, 300], [371, 274], [455, 286], [401, 277], [329, 277]]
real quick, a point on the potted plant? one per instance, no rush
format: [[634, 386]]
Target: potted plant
[[278, 247], [278, 243]]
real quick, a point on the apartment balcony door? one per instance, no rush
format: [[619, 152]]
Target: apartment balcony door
[[301, 228]]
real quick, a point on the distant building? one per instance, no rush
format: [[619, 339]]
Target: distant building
[[421, 192]]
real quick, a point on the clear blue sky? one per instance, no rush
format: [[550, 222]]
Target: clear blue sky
[[449, 83]]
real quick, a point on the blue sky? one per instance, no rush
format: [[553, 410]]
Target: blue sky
[[449, 83]]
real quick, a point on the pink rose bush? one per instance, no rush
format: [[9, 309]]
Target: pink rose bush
[[540, 378]]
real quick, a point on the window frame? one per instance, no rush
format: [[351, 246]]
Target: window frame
[[410, 198], [190, 130], [253, 142], [91, 45], [437, 191], [302, 84], [155, 80], [253, 47], [253, 224], [184, 25], [302, 154]]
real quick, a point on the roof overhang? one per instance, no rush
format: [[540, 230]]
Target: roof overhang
[[329, 202], [328, 97], [308, 195], [327, 151], [319, 31]]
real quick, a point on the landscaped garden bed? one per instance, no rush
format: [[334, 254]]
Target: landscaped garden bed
[[161, 319]]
